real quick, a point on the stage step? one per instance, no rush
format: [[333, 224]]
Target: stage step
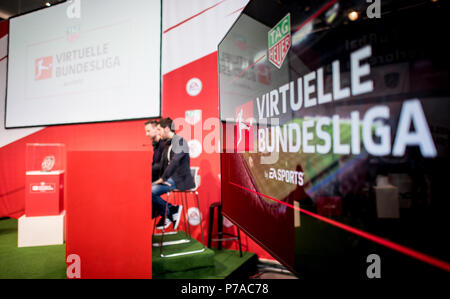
[[225, 263], [180, 263]]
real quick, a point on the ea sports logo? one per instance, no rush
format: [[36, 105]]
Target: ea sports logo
[[194, 87], [195, 148], [193, 215]]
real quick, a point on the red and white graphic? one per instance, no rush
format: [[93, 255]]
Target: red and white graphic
[[194, 87], [279, 41], [278, 52], [196, 176], [43, 68], [48, 163], [227, 223], [195, 148], [244, 127], [42, 187], [193, 116], [73, 32], [194, 216]]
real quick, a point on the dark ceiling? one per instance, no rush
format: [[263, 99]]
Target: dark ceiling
[[10, 8]]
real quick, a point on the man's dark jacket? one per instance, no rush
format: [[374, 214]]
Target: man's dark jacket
[[178, 167], [158, 148]]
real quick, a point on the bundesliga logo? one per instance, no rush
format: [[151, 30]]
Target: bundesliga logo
[[279, 39], [43, 68], [244, 127]]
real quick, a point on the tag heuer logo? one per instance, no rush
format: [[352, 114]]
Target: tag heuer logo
[[279, 38]]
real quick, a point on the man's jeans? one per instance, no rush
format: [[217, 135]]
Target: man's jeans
[[159, 204]]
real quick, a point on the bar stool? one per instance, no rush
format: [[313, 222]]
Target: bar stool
[[176, 201], [220, 232], [181, 196]]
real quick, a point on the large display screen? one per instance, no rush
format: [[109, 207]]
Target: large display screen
[[84, 61], [335, 135]]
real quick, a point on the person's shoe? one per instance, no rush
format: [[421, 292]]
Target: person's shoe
[[176, 215], [163, 224]]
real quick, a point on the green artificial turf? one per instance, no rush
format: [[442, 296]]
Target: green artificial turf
[[45, 262], [48, 262], [227, 264], [183, 262]]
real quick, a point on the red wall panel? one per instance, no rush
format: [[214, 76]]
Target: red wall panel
[[176, 101]]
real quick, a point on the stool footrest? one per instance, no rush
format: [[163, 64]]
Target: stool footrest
[[220, 232], [183, 253], [166, 234], [225, 239], [224, 234], [167, 243]]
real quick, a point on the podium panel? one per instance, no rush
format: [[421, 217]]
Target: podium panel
[[109, 213], [41, 230], [44, 194]]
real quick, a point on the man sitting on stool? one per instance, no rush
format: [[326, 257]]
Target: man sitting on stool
[[158, 144], [175, 174]]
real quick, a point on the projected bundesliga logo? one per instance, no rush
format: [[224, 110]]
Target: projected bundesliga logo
[[244, 128], [279, 39], [43, 68]]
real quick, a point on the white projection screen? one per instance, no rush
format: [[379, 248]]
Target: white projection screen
[[84, 61]]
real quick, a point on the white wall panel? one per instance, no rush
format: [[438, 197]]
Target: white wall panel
[[201, 26]]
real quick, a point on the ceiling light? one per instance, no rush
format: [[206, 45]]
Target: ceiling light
[[353, 15]]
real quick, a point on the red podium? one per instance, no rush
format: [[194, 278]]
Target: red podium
[[43, 222], [44, 194]]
